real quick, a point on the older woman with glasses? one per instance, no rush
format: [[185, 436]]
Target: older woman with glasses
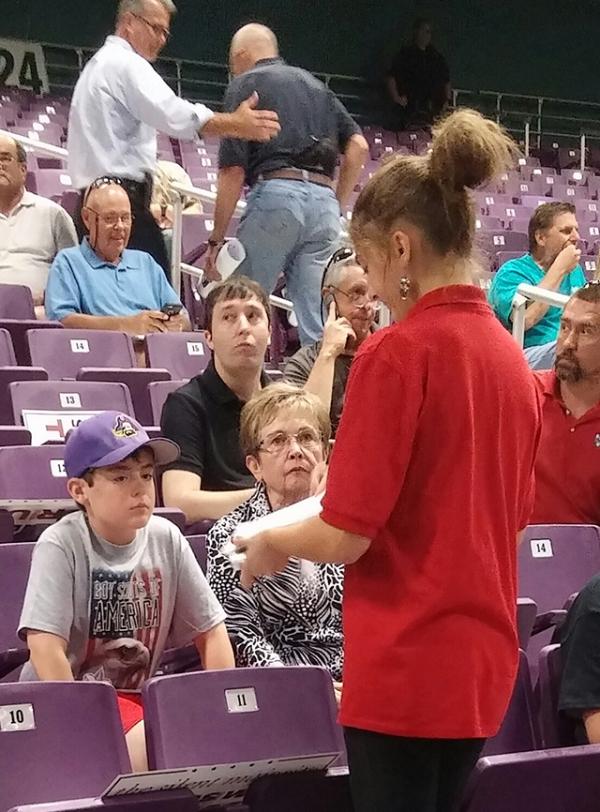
[[349, 309], [294, 617]]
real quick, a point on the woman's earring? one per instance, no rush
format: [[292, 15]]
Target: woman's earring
[[405, 286]]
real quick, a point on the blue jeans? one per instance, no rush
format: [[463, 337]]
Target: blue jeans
[[542, 356], [291, 227]]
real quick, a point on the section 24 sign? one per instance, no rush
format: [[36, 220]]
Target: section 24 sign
[[22, 64]]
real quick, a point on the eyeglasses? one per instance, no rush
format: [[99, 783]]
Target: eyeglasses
[[105, 180], [157, 29], [357, 297], [308, 439], [111, 220]]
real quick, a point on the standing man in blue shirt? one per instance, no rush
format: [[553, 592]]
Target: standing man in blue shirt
[[119, 103], [102, 285], [551, 263], [291, 225]]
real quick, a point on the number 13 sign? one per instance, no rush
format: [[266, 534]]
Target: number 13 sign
[[22, 64]]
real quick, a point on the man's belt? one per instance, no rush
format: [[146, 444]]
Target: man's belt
[[293, 173]]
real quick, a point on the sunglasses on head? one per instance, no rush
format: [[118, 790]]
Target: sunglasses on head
[[341, 255], [106, 180]]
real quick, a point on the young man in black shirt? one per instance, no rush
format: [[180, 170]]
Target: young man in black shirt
[[210, 477]]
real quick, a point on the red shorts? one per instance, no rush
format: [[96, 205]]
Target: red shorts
[[130, 708]]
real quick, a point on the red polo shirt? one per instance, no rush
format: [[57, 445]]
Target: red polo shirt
[[567, 468], [433, 461]]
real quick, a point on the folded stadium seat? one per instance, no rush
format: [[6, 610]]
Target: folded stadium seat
[[504, 256], [185, 355], [196, 229], [68, 741], [174, 800], [566, 192], [16, 302], [44, 162], [560, 780], [70, 201], [158, 394], [14, 435], [520, 223], [593, 186], [49, 409], [18, 329], [586, 204], [589, 263], [590, 234], [554, 562], [569, 158], [557, 730], [52, 183], [507, 214], [526, 615], [488, 199], [136, 380], [575, 177], [9, 372], [32, 473], [586, 217], [63, 353], [486, 223], [492, 242], [198, 545], [519, 731], [15, 560], [247, 715], [173, 515], [531, 202]]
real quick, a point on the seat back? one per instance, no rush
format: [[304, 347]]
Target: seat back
[[198, 545], [183, 354], [63, 353], [556, 729], [518, 732], [32, 472], [18, 329], [15, 561], [545, 780], [136, 381], [51, 408], [526, 615], [158, 394], [177, 517], [245, 714], [63, 740], [7, 353], [16, 302], [174, 800]]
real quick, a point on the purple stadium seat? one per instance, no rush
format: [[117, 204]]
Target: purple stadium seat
[[295, 716], [494, 241], [569, 158], [198, 545], [16, 302], [64, 353], [9, 375], [519, 732], [161, 801], [561, 780], [196, 229], [63, 401], [136, 380], [520, 224], [32, 472], [52, 182], [173, 515], [589, 264], [183, 354], [484, 222], [586, 204], [74, 748], [487, 199], [15, 560], [531, 202], [14, 435], [593, 186], [18, 329], [158, 394], [590, 233], [565, 192], [526, 615], [556, 729], [554, 562], [574, 177]]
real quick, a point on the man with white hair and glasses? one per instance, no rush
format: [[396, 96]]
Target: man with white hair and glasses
[[120, 102], [349, 309]]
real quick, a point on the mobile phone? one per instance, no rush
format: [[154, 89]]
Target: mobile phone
[[171, 309]]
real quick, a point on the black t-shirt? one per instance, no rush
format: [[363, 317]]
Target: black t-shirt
[[203, 418], [580, 653], [308, 112], [420, 74]]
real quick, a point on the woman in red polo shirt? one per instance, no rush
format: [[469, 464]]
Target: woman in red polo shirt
[[430, 482]]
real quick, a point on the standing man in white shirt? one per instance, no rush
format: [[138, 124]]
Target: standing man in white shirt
[[120, 102]]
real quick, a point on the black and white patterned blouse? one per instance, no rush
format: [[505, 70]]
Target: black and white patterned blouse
[[290, 618]]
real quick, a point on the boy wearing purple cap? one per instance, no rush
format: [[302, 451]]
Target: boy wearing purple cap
[[110, 583]]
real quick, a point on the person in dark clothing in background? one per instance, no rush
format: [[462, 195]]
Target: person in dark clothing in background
[[419, 80]]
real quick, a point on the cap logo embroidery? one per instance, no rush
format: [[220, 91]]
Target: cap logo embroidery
[[123, 427]]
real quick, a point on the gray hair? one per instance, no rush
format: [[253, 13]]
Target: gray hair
[[21, 152], [137, 6], [335, 272]]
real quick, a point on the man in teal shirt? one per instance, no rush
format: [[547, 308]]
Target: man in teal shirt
[[552, 263]]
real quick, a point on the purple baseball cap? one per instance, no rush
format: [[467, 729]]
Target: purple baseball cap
[[107, 439]]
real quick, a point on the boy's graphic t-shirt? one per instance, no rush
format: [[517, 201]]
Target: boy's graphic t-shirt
[[118, 607]]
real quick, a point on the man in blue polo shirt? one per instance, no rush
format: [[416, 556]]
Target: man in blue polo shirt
[[102, 285], [552, 263]]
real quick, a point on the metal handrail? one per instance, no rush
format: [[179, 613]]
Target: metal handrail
[[530, 293]]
